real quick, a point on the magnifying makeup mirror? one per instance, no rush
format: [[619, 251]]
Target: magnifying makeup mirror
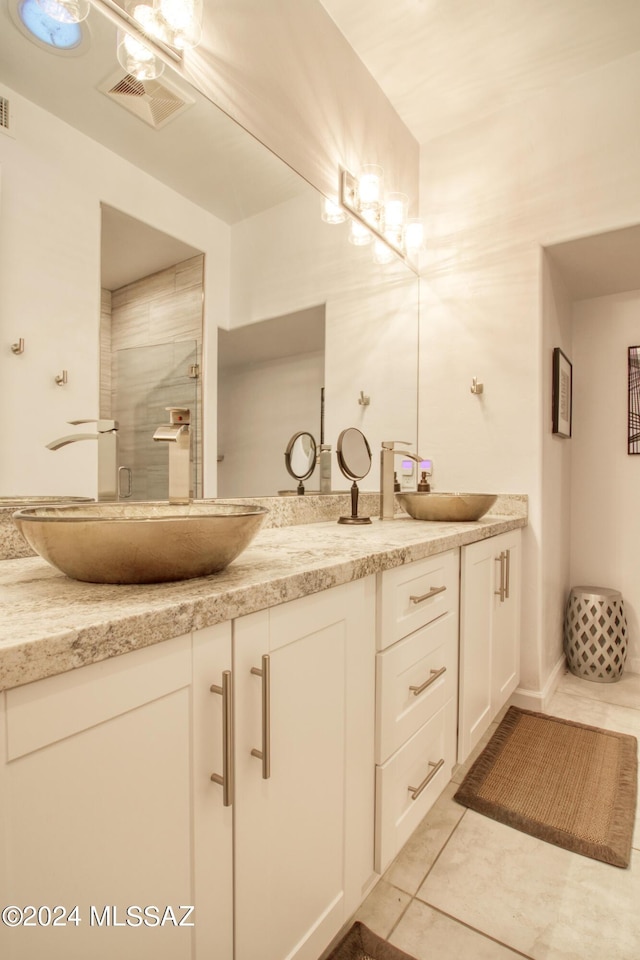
[[354, 460], [300, 458]]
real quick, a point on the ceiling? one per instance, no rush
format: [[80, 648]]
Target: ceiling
[[239, 179], [445, 63], [600, 265], [442, 63]]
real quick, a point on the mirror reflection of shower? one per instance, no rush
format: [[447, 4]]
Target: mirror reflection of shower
[[150, 347], [270, 377]]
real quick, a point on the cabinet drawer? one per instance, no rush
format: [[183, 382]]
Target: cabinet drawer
[[399, 806], [413, 595], [426, 661]]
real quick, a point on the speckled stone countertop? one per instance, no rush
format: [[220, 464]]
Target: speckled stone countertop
[[50, 624]]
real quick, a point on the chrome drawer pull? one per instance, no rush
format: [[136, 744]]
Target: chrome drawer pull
[[416, 691], [226, 780], [265, 753], [427, 596], [416, 791]]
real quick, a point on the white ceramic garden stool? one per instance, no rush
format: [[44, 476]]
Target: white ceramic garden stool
[[595, 634]]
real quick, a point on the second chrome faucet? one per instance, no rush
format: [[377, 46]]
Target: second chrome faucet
[[388, 453], [178, 434]]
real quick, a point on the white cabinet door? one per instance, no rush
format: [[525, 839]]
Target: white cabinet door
[[100, 781], [506, 622], [212, 819], [303, 829], [489, 633]]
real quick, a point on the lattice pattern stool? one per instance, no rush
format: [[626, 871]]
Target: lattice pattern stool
[[595, 634]]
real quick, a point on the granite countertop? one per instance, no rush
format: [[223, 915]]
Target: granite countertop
[[51, 624]]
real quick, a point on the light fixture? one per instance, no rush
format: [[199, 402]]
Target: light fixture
[[360, 235], [137, 58], [182, 22], [66, 11], [395, 218], [176, 23], [414, 236], [134, 55], [332, 212], [382, 252], [374, 215], [369, 190]]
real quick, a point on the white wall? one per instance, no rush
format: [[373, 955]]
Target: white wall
[[371, 318], [53, 180], [605, 507], [557, 459], [561, 165], [261, 406], [284, 71]]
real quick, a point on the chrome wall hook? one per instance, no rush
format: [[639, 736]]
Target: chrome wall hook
[[18, 347], [476, 387], [363, 400], [61, 378]]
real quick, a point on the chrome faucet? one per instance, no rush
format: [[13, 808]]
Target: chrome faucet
[[178, 434], [387, 461], [107, 437]]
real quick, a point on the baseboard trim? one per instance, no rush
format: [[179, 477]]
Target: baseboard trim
[[538, 700]]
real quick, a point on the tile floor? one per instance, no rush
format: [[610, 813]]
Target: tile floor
[[467, 888]]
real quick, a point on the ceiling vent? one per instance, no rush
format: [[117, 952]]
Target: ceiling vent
[[154, 101]]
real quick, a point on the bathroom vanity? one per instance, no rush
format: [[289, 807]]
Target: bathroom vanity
[[264, 745]]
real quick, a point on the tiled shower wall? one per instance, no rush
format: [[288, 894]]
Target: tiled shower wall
[[163, 308]]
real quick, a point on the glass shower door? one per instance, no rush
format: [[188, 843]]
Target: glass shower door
[[148, 380]]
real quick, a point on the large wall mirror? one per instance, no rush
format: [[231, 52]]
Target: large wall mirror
[[156, 251]]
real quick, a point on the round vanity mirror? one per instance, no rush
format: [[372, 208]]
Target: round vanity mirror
[[300, 457], [354, 459]]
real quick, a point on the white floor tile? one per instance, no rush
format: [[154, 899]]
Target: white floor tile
[[546, 902], [625, 692], [383, 908], [417, 856], [428, 935]]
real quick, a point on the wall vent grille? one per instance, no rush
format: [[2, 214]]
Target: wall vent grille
[[5, 114], [154, 101]]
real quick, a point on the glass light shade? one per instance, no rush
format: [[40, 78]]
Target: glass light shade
[[360, 235], [382, 253], [395, 218], [147, 16], [370, 187], [136, 58], [332, 212], [414, 235], [183, 22], [395, 211], [66, 11]]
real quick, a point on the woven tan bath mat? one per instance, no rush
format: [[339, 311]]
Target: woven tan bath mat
[[564, 782]]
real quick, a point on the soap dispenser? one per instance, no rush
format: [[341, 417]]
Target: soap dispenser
[[424, 485]]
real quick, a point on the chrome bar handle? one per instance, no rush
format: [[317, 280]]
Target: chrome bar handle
[[427, 596], [226, 780], [416, 691], [416, 791], [507, 573], [501, 591], [265, 753]]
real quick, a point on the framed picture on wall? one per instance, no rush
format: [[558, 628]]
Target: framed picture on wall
[[633, 419], [562, 393]]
